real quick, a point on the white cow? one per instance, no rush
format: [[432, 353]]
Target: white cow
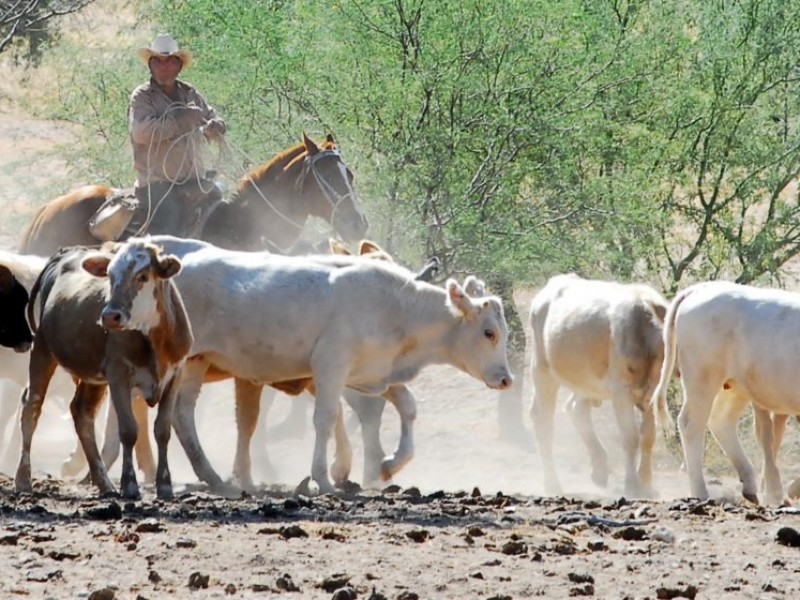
[[341, 321], [601, 340], [734, 344]]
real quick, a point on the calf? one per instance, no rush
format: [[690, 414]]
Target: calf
[[128, 331], [339, 321], [734, 345], [601, 340]]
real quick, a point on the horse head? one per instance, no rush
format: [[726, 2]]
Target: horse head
[[325, 176]]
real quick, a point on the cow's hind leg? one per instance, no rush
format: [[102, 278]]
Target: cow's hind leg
[[728, 407], [248, 404], [625, 413], [769, 431], [647, 439], [259, 456], [369, 410], [405, 403], [699, 391], [40, 370], [543, 409], [84, 405], [580, 411], [143, 448]]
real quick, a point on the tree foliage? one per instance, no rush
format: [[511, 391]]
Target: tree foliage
[[618, 138], [31, 18]]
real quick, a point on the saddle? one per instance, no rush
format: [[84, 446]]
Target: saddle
[[111, 220], [125, 214]]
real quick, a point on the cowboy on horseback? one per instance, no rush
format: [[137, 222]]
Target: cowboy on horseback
[[167, 120]]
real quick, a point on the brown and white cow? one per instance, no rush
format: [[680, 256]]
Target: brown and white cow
[[601, 340], [128, 331], [734, 345]]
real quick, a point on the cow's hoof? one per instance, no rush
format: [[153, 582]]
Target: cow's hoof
[[794, 489], [392, 464], [751, 497], [304, 488], [340, 473], [23, 487], [164, 492], [131, 492], [324, 486], [227, 490], [348, 487]]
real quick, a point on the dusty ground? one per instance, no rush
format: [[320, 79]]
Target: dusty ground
[[465, 519]]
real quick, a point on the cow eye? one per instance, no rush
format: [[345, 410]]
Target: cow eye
[[141, 278], [489, 334]]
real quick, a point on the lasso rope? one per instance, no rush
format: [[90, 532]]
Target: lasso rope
[[197, 142]]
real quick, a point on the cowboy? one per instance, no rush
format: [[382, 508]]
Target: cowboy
[[167, 119]]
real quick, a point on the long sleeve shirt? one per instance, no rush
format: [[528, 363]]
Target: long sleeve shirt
[[163, 148]]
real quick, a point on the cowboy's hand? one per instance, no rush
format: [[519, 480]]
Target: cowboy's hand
[[214, 129], [189, 116]]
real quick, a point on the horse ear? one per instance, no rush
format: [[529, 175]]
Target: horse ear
[[329, 139], [311, 147]]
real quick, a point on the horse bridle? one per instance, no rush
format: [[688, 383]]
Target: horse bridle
[[330, 193]]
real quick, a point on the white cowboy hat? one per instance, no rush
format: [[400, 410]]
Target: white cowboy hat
[[164, 45]]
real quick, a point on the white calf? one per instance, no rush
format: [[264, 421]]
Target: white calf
[[601, 340], [734, 344]]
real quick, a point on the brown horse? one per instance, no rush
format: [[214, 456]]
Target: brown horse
[[267, 211]]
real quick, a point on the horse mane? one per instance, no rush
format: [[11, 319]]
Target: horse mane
[[280, 162]]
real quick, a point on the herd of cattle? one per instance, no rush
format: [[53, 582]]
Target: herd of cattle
[[155, 318]]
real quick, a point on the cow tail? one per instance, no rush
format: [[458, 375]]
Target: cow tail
[[37, 287], [659, 398], [32, 301]]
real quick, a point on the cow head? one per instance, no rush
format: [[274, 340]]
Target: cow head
[[14, 330], [481, 336], [134, 271]]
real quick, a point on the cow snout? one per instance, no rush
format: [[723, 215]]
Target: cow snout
[[502, 382], [22, 347], [112, 318]]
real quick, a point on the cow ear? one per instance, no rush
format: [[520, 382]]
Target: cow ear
[[458, 300], [474, 287], [369, 247], [330, 140], [168, 266], [338, 247], [96, 264], [6, 279], [110, 247]]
